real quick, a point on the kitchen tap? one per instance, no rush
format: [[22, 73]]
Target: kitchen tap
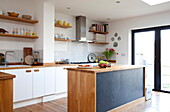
[[13, 53]]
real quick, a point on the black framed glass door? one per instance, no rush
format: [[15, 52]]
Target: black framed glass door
[[144, 53], [150, 47], [165, 60]]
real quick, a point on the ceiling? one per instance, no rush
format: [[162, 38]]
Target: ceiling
[[100, 10]]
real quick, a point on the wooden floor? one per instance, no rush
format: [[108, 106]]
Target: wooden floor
[[160, 103]]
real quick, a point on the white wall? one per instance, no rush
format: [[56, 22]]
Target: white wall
[[73, 50], [16, 44], [21, 7], [124, 27], [39, 27], [39, 10], [48, 42]]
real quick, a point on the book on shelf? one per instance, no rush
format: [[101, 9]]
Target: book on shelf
[[101, 28]]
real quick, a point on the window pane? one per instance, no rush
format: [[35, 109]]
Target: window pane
[[144, 54], [165, 60]]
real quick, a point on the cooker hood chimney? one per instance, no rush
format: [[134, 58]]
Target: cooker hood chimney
[[81, 29]]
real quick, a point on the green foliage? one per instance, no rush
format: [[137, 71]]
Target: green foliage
[[108, 53]]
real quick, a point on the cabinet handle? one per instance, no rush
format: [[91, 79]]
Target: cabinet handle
[[28, 71], [36, 70]]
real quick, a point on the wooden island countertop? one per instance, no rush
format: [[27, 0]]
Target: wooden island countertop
[[97, 69], [5, 76]]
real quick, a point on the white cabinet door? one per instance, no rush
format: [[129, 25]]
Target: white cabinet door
[[22, 83], [49, 80], [38, 82], [61, 80]]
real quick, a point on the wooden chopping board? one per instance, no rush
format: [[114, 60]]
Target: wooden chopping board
[[27, 51]]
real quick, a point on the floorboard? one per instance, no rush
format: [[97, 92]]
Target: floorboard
[[160, 103]]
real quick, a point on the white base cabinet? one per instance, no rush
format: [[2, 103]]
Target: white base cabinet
[[38, 82], [61, 80], [49, 81], [22, 83]]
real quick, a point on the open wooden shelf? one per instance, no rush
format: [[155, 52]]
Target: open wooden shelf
[[57, 39], [62, 26], [18, 19], [99, 32], [98, 43], [19, 36]]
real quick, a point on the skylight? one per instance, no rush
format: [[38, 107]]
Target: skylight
[[155, 2]]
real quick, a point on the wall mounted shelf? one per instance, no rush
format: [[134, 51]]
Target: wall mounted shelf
[[99, 32], [98, 43], [18, 19], [62, 26], [19, 36], [57, 39]]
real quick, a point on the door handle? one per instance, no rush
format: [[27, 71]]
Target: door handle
[[28, 71], [36, 70]]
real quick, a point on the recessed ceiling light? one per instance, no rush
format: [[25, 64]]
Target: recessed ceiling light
[[68, 7], [155, 2], [117, 1], [108, 19]]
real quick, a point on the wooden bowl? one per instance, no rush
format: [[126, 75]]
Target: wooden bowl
[[13, 14], [26, 16]]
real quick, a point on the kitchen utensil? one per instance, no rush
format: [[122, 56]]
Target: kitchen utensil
[[13, 14], [26, 16], [36, 57], [1, 12], [3, 30], [57, 35], [1, 58], [91, 57], [67, 61], [29, 59], [33, 34]]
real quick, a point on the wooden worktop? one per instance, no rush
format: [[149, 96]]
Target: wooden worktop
[[4, 76], [55, 65], [108, 69]]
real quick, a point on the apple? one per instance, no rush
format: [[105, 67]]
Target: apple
[[103, 65]]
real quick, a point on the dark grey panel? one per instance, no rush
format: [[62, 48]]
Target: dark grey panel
[[118, 87]]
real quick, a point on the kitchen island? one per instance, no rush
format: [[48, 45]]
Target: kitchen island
[[6, 92], [105, 89]]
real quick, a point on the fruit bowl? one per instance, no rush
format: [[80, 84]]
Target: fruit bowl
[[104, 64], [26, 16], [13, 14]]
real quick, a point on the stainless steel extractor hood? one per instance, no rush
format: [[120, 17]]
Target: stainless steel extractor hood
[[81, 29]]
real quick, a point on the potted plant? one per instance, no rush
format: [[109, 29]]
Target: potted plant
[[108, 53]]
